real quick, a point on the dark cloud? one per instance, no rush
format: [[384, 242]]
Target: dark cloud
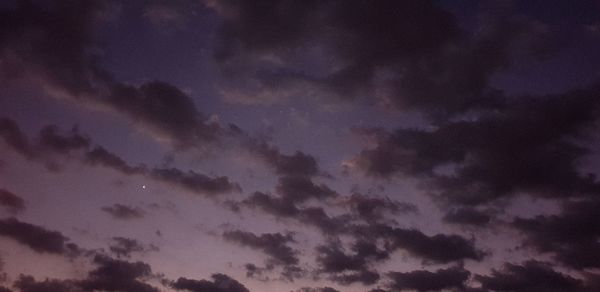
[[297, 189], [13, 203], [298, 164], [534, 146], [275, 245], [51, 138], [531, 276], [439, 248], [37, 238], [124, 247], [285, 208], [220, 283], [467, 216], [123, 212], [60, 56], [410, 54], [101, 156], [346, 268], [195, 182], [373, 208], [117, 275], [29, 284], [450, 278], [321, 289], [14, 137], [165, 109], [571, 236]]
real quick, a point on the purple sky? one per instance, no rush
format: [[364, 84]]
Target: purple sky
[[299, 145]]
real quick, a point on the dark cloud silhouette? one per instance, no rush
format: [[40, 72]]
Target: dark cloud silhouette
[[283, 207], [467, 216], [123, 212], [14, 137], [450, 278], [195, 182], [63, 60], [439, 248], [29, 284], [297, 164], [51, 138], [275, 245], [117, 275], [571, 236], [373, 208], [533, 146], [321, 289], [165, 109], [346, 268], [101, 156], [13, 203], [297, 189], [37, 238], [124, 247], [415, 52], [220, 283], [531, 276], [108, 275]]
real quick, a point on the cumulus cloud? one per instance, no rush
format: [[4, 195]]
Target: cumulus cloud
[[11, 202], [37, 238], [346, 268], [124, 247], [59, 56], [571, 236], [74, 145], [220, 283], [530, 276], [421, 280], [123, 212], [534, 146], [275, 245]]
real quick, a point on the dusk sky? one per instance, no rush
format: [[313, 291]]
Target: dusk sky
[[300, 145]]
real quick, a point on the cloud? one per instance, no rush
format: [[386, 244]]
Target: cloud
[[220, 283], [51, 138], [298, 189], [13, 203], [467, 216], [78, 146], [100, 156], [297, 164], [275, 245], [372, 208], [321, 289], [531, 276], [124, 247], [29, 284], [284, 207], [408, 54], [439, 248], [37, 238], [450, 278], [117, 275], [533, 146], [195, 182], [346, 269], [61, 56], [571, 236], [14, 137], [123, 212]]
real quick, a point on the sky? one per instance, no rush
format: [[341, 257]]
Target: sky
[[299, 145]]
